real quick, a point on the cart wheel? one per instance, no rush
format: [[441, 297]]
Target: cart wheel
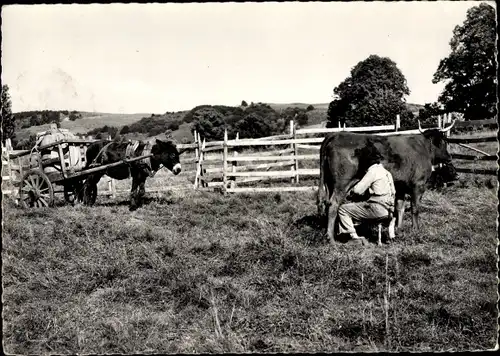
[[89, 194], [36, 191]]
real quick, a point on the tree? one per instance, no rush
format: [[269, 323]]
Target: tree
[[74, 115], [297, 114], [427, 115], [173, 125], [244, 104], [470, 70], [260, 120], [125, 130], [209, 123], [310, 108], [8, 124], [372, 95], [256, 120]]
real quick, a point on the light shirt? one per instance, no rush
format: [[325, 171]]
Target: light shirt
[[380, 184]]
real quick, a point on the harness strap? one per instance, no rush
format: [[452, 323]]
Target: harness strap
[[131, 148], [94, 161], [147, 161]]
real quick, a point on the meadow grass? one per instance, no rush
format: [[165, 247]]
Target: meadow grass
[[201, 272]]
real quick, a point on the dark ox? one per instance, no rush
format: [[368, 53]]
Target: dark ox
[[104, 153], [411, 159]]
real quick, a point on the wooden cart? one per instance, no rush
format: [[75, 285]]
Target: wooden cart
[[37, 186]]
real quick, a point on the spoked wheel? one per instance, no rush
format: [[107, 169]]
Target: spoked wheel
[[36, 191]]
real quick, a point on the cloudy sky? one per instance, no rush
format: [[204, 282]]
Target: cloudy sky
[[153, 58]]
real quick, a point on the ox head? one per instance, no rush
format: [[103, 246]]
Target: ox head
[[441, 158], [442, 173], [167, 154]]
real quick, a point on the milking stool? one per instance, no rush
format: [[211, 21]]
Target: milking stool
[[380, 222]]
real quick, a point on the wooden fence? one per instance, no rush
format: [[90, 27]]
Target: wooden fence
[[230, 165], [233, 177]]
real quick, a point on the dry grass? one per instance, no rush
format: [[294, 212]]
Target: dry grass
[[199, 272]]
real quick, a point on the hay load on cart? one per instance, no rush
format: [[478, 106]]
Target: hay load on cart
[[56, 161], [73, 155]]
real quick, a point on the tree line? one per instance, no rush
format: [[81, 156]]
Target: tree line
[[210, 121]]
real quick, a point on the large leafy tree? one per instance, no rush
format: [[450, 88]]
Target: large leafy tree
[[372, 95], [470, 70], [8, 125], [210, 123]]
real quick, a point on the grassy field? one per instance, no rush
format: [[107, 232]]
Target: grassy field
[[200, 272]]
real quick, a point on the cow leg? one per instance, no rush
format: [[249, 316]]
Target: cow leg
[[392, 225], [400, 210], [323, 194], [415, 205], [332, 215]]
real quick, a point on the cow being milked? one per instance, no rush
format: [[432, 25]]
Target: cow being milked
[[411, 159]]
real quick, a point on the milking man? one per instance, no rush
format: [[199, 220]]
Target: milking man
[[380, 185]]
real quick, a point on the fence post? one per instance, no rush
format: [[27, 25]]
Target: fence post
[[201, 154], [295, 154], [198, 181], [398, 123], [112, 188], [235, 154], [439, 121], [448, 121], [196, 144], [224, 164], [197, 158]]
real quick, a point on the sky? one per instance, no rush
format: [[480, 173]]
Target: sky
[[153, 58]]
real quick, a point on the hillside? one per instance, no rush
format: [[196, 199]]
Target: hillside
[[92, 121], [88, 122]]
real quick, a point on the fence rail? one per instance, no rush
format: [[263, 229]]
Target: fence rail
[[472, 139], [474, 158]]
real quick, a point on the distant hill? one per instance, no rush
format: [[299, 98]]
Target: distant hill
[[414, 108], [276, 106], [96, 120]]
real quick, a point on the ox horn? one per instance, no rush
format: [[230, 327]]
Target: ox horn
[[420, 127], [449, 127]]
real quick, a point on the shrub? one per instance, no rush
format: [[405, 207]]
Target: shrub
[[256, 120], [125, 130]]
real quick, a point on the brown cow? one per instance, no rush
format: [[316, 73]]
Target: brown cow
[[411, 159]]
